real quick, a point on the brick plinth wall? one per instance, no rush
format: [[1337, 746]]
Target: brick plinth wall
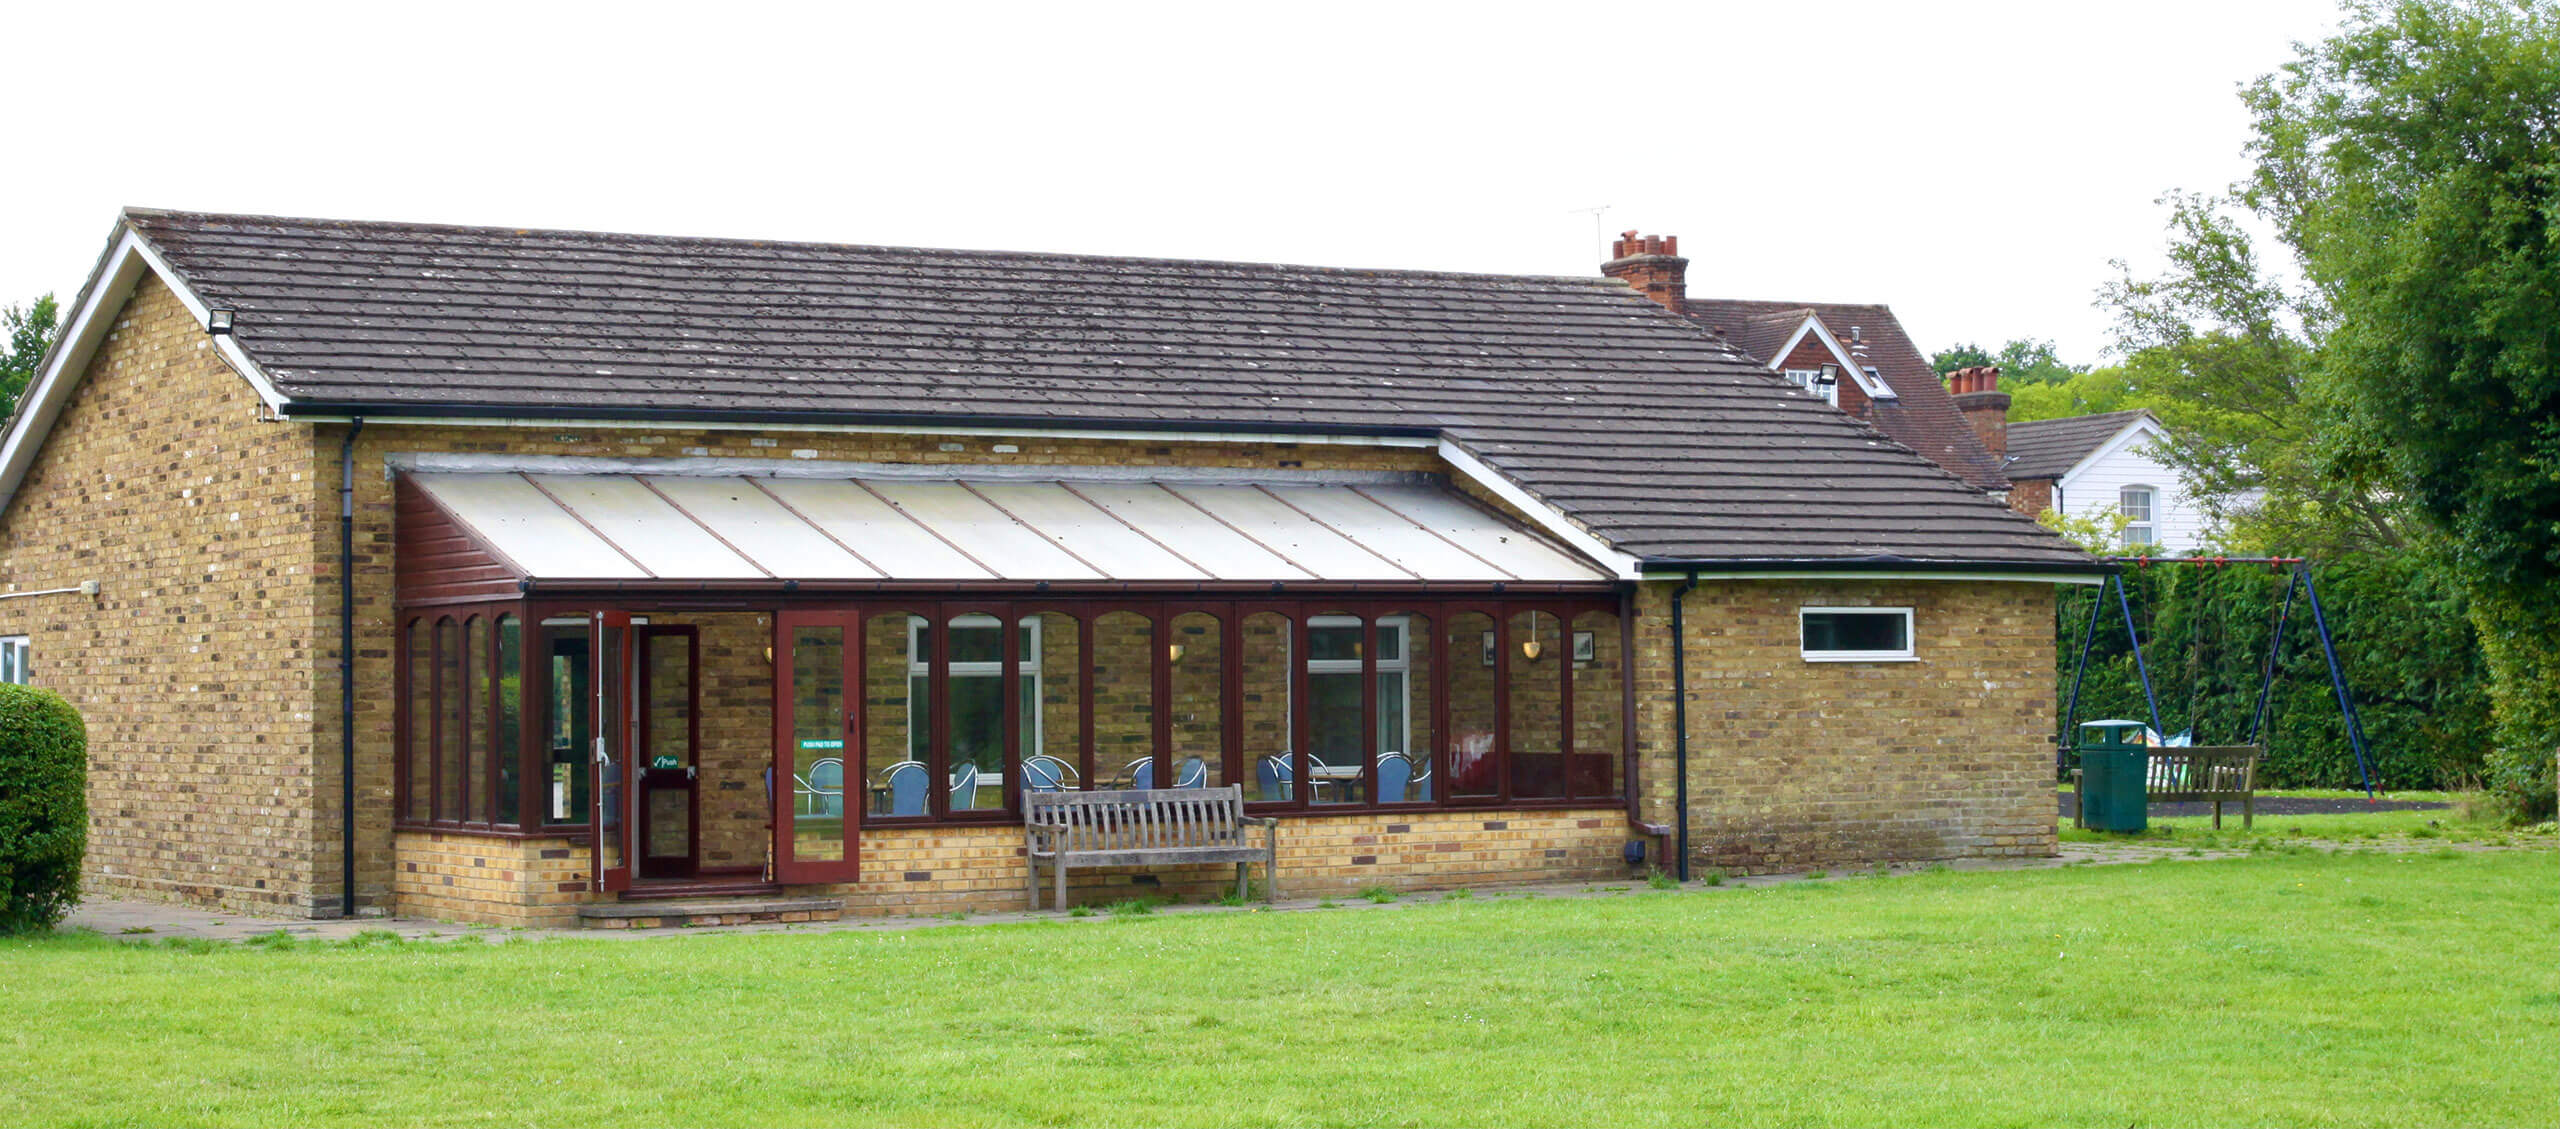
[[531, 883]]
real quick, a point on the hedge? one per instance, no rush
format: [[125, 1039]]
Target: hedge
[[2404, 639], [44, 807]]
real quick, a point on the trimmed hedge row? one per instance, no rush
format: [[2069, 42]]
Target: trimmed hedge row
[[2404, 640], [44, 807]]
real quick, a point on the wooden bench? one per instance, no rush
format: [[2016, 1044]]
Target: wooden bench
[[2217, 774], [1146, 827]]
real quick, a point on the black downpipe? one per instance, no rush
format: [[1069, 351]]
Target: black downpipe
[[1680, 717], [347, 668]]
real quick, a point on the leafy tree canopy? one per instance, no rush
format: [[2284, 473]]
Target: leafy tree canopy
[[30, 329], [2022, 361]]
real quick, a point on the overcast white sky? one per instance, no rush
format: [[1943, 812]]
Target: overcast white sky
[[1974, 165]]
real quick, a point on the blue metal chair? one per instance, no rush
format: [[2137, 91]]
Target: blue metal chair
[[1141, 773], [1045, 773], [1395, 773], [964, 788], [1275, 776], [825, 787], [906, 782], [1191, 773]]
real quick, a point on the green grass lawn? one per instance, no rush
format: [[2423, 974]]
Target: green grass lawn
[[2352, 989], [2457, 824]]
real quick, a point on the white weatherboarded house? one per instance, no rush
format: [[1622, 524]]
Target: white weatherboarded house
[[2106, 464]]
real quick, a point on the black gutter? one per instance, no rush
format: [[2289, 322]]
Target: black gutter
[[786, 419], [1680, 717], [1627, 773], [1693, 566], [347, 667]]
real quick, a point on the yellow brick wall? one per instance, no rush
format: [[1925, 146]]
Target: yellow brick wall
[[532, 883], [201, 665], [1795, 764]]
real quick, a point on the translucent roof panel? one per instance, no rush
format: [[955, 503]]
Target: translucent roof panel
[[862, 521], [623, 510], [612, 526], [756, 524], [1221, 552], [1066, 516], [523, 525], [1289, 532], [1010, 547]]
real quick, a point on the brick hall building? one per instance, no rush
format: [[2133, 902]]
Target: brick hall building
[[528, 576]]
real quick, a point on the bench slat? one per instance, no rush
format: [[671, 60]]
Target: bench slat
[[1139, 827]]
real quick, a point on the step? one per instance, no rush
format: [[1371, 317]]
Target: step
[[697, 889], [691, 913]]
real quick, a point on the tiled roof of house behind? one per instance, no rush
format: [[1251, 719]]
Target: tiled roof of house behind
[[1650, 433], [2049, 448], [1921, 416]]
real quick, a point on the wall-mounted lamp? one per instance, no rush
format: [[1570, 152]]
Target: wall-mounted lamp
[[1829, 376], [217, 322], [1173, 652]]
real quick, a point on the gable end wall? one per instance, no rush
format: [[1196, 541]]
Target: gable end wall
[[195, 666]]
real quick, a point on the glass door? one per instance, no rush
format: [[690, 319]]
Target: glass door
[[819, 789], [613, 753]]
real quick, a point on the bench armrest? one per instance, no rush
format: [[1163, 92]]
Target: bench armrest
[[1258, 821]]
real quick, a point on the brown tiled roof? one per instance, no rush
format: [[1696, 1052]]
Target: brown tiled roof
[[1650, 433], [2049, 448], [1921, 416]]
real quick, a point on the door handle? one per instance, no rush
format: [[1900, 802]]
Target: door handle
[[602, 757], [690, 774]]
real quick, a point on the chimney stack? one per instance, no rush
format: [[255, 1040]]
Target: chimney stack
[[1652, 264], [1978, 395]]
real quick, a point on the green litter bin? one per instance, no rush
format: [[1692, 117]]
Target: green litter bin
[[2115, 761]]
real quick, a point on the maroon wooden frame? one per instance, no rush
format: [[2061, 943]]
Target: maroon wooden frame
[[1158, 608], [1160, 615], [644, 637]]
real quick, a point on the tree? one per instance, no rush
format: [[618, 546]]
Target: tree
[[2022, 361], [31, 330], [2224, 352], [2412, 164]]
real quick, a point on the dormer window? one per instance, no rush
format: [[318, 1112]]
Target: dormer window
[[1811, 380]]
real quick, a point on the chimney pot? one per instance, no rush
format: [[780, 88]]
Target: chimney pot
[[1985, 407], [1652, 264]]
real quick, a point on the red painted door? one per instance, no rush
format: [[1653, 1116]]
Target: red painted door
[[818, 792]]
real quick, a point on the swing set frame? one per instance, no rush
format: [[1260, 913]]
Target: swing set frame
[[2298, 579]]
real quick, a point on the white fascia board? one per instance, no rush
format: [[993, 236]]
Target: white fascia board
[[108, 289], [228, 346], [1874, 387], [1885, 574], [1622, 566], [2142, 428], [972, 431]]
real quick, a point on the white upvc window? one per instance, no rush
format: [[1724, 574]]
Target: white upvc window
[[1333, 678], [976, 691], [1856, 634], [2139, 505], [1811, 381], [13, 659]]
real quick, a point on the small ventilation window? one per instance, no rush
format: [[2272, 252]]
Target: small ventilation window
[[1857, 634]]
